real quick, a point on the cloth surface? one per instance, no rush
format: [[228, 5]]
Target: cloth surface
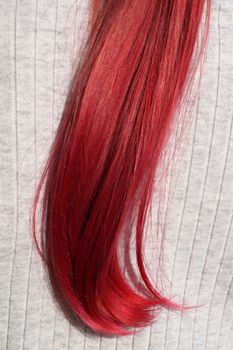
[[38, 42]]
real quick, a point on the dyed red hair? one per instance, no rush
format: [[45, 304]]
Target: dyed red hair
[[101, 170]]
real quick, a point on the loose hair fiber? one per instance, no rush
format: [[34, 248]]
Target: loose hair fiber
[[138, 63]]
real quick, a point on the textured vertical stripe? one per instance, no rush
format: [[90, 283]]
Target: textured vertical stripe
[[38, 41]]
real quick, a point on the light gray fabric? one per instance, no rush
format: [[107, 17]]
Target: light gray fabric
[[38, 40]]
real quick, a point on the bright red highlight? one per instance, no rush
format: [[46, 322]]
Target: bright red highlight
[[101, 170]]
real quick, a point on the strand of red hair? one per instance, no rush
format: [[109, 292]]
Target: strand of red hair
[[100, 175]]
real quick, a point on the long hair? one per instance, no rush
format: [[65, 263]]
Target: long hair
[[139, 59]]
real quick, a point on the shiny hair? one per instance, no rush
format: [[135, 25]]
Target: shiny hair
[[139, 60]]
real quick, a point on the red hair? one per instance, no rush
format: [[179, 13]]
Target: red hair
[[101, 170]]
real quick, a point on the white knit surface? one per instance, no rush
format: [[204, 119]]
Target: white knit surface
[[38, 41]]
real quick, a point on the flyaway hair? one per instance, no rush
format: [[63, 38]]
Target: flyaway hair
[[138, 62]]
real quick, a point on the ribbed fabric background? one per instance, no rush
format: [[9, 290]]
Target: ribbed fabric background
[[38, 41]]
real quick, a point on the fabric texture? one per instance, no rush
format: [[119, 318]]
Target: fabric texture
[[38, 42]]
